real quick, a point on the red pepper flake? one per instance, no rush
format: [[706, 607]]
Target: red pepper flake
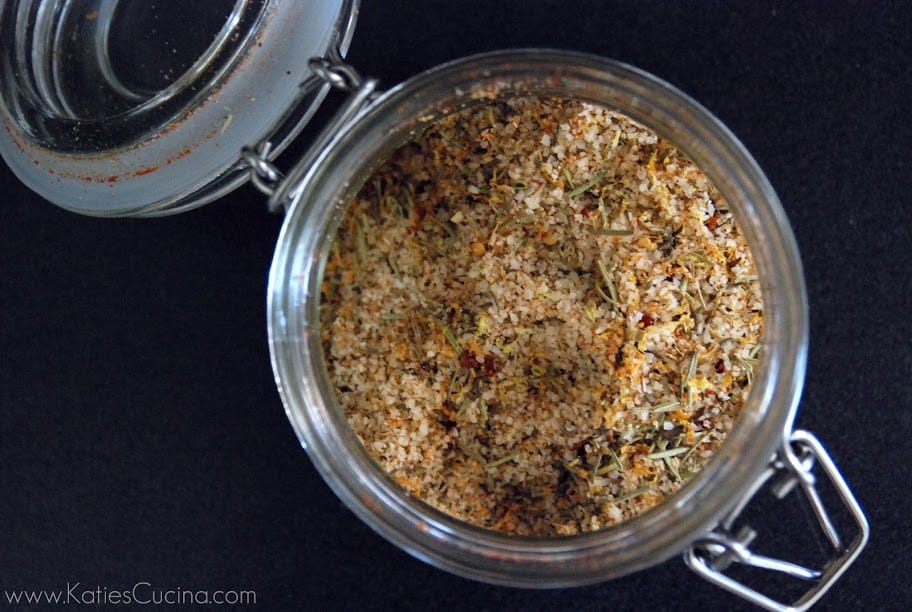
[[712, 222], [422, 209], [720, 366], [145, 171], [489, 367], [588, 210], [468, 360], [647, 320]]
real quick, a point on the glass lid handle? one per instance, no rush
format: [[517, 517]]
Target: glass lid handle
[[715, 552], [329, 70]]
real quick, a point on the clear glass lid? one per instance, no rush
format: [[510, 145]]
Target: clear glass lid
[[114, 108]]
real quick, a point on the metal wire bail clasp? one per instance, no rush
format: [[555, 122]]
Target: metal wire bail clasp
[[715, 552], [263, 173], [329, 70], [332, 69]]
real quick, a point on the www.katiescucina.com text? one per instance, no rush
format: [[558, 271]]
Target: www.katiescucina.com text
[[140, 593]]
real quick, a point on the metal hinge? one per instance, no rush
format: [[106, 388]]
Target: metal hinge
[[714, 553], [331, 70]]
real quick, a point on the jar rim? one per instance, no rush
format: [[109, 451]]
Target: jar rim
[[310, 404]]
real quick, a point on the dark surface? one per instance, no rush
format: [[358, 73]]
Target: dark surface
[[141, 435]]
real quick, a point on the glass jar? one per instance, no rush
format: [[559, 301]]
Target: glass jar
[[87, 138], [118, 109], [679, 524]]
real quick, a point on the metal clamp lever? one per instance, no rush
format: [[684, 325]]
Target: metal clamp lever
[[330, 70], [712, 554]]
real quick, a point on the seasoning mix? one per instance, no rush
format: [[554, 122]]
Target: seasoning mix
[[540, 317]]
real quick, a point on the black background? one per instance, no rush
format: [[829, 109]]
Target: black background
[[141, 435]]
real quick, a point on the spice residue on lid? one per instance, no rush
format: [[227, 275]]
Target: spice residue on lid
[[540, 317]]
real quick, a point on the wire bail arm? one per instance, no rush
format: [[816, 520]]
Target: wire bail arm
[[330, 70]]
